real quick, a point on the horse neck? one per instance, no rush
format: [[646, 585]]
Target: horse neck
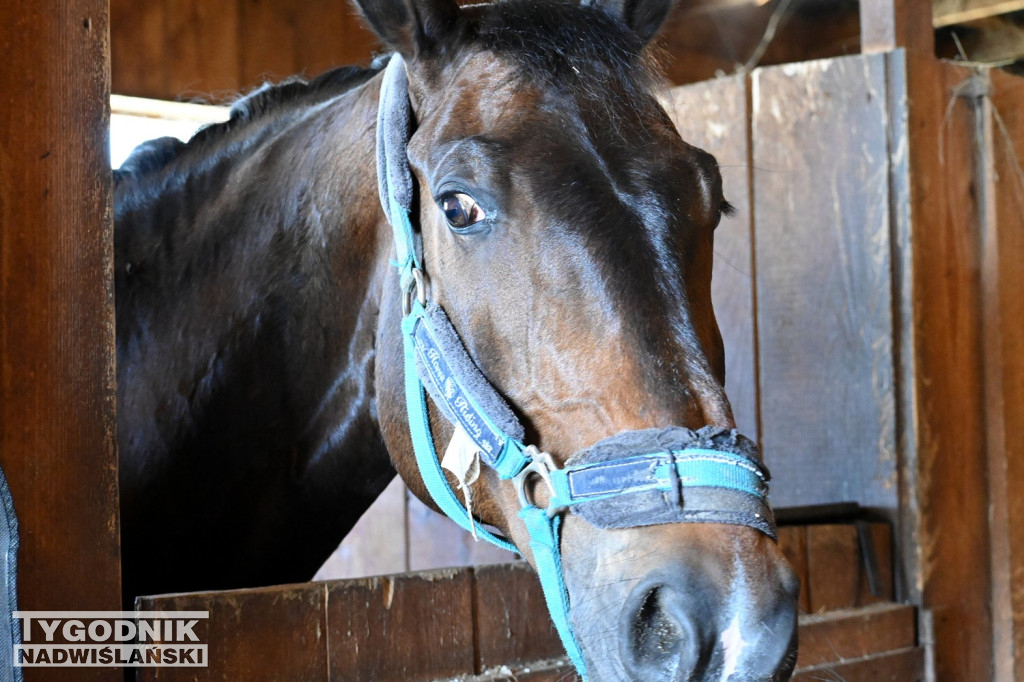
[[255, 280]]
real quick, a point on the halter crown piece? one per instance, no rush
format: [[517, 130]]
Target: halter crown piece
[[635, 478]]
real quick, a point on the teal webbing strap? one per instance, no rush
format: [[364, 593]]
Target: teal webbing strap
[[547, 558]]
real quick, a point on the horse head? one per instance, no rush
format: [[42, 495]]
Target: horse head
[[566, 232]]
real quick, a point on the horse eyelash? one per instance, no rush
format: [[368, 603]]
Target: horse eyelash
[[727, 209]]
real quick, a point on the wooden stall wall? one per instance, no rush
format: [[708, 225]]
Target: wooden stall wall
[[864, 290], [212, 50], [481, 624]]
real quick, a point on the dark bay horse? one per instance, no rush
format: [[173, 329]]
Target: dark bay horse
[[568, 233]]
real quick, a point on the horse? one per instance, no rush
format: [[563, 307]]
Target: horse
[[565, 229]]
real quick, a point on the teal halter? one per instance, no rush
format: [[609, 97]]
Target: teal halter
[[633, 479]]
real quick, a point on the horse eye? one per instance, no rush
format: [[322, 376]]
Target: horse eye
[[461, 211]]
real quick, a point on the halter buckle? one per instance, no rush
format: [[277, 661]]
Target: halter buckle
[[542, 465], [416, 287]]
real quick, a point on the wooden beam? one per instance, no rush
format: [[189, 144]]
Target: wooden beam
[[952, 12], [57, 420], [1002, 188], [886, 25], [168, 111], [944, 478]]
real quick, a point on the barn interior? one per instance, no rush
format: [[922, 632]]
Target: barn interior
[[212, 51], [901, 141]]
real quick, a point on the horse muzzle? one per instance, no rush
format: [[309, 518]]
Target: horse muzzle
[[646, 608], [667, 633]]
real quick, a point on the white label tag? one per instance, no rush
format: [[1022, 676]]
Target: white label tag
[[462, 458]]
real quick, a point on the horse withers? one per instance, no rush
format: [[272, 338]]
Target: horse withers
[[564, 229]]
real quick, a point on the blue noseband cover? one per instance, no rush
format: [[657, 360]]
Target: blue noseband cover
[[716, 478], [636, 478]]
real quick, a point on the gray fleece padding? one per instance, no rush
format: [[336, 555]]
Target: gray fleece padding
[[469, 377], [394, 126], [692, 505]]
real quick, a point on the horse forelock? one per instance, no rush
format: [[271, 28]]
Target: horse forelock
[[580, 51]]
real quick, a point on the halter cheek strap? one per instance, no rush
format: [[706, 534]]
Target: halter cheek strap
[[633, 479]]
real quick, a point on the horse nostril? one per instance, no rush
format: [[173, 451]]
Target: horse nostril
[[661, 642], [656, 633]]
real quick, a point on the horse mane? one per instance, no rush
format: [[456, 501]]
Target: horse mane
[[261, 105]]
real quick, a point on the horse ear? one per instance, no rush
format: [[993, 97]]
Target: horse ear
[[644, 17], [413, 28]]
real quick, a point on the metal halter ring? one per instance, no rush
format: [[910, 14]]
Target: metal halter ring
[[542, 465], [417, 287]]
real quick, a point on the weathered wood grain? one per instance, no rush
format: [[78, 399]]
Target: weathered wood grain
[[855, 633], [949, 12], [837, 576], [824, 300], [204, 43], [511, 623], [57, 419], [171, 49], [330, 34], [268, 51], [706, 40], [938, 321], [887, 25], [1002, 180], [419, 627], [138, 62], [793, 543], [899, 666], [260, 635], [713, 116], [401, 628]]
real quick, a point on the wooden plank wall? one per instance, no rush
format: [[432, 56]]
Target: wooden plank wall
[[864, 215], [215, 49], [866, 262], [400, 533], [483, 624], [56, 309], [821, 190]]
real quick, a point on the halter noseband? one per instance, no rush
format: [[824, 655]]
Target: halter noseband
[[635, 478]]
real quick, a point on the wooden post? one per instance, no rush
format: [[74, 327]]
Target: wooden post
[[1002, 185], [944, 484], [57, 418], [886, 25]]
